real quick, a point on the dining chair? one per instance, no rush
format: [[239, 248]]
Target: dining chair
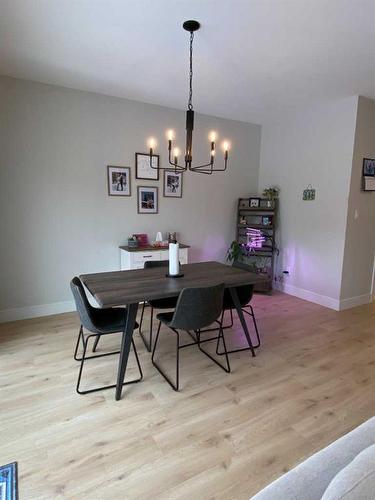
[[99, 322], [167, 303], [245, 294], [196, 308]]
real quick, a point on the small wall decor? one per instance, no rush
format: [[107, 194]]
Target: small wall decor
[[172, 184], [118, 181], [254, 202], [368, 174], [147, 200], [143, 169], [308, 193]]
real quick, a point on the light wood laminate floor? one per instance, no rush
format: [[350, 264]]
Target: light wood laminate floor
[[222, 437]]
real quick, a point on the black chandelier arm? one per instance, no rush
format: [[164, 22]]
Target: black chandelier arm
[[201, 169]]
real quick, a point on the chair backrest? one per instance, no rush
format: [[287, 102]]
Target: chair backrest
[[149, 264], [85, 310], [198, 307]]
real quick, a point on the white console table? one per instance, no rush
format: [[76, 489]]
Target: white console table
[[134, 258]]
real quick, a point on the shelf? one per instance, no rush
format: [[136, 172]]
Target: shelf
[[254, 226], [260, 209]]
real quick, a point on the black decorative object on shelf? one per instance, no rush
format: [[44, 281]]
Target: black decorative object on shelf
[[173, 153]]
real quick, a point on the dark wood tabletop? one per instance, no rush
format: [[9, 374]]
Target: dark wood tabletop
[[128, 287]]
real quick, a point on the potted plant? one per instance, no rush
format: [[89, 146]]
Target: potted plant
[[132, 242], [234, 252], [271, 194]]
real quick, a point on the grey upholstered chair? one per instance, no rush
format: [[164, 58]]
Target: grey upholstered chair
[[99, 322], [168, 303], [245, 294], [196, 308]]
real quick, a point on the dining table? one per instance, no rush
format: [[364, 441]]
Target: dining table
[[129, 288]]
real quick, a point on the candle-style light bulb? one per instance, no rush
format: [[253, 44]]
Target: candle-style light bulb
[[170, 135], [212, 136], [151, 143], [226, 146], [176, 152]]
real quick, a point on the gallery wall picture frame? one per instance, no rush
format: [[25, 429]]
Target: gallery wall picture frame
[[143, 168], [368, 174], [119, 181], [147, 199], [172, 185]]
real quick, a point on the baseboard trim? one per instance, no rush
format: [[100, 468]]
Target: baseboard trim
[[360, 300], [322, 300], [36, 311]]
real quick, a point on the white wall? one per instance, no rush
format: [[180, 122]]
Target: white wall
[[360, 233], [313, 145], [56, 217]]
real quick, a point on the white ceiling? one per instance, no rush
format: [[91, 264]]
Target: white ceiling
[[252, 58]]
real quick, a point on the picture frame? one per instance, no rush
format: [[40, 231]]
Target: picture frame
[[266, 220], [143, 169], [147, 200], [368, 174], [119, 181], [254, 202], [172, 185], [244, 203]]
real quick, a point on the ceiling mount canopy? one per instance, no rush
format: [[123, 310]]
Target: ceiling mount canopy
[[173, 152]]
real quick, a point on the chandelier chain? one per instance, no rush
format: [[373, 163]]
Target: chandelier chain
[[190, 103]]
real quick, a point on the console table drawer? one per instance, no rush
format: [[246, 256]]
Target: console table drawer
[[138, 257], [135, 259]]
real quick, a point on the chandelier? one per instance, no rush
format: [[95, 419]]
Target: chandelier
[[173, 152]]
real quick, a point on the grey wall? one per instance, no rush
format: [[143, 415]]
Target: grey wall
[[360, 234], [311, 146], [56, 217]]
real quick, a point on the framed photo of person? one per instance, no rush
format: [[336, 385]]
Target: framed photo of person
[[148, 202], [118, 181], [172, 184], [143, 169], [368, 174]]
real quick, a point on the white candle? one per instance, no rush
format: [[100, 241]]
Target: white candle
[[174, 264]]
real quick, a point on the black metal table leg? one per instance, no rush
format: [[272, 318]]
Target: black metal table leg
[[126, 341], [236, 302]]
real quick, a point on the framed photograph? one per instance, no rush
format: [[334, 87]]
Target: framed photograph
[[254, 202], [147, 200], [118, 181], [143, 168], [368, 174], [266, 220], [172, 184], [244, 203]]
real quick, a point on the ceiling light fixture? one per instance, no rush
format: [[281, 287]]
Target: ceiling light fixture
[[173, 152]]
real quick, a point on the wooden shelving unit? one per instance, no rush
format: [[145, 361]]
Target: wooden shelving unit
[[262, 258]]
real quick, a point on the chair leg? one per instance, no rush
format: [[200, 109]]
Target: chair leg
[[95, 343], [255, 327], [175, 386], [84, 358], [148, 344], [221, 336], [80, 336], [142, 313], [255, 346]]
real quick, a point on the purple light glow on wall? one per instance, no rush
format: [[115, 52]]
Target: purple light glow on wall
[[255, 238]]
